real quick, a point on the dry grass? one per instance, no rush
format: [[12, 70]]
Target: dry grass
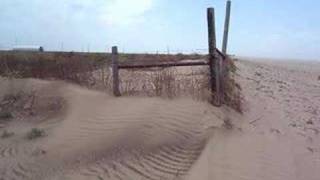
[[5, 116], [78, 68], [6, 134], [227, 123], [232, 90], [167, 83], [92, 71], [72, 67], [35, 133]]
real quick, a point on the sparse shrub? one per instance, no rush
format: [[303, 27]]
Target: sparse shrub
[[6, 134], [227, 123], [11, 97], [164, 83], [35, 133], [5, 116], [310, 122]]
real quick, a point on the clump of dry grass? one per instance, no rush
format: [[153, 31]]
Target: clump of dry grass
[[6, 134], [35, 133], [6, 102], [5, 116], [232, 90], [227, 123], [165, 82]]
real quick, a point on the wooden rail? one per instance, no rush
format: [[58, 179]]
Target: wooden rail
[[163, 65]]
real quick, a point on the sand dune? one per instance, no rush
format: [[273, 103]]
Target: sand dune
[[131, 137], [97, 136], [102, 137], [277, 137]]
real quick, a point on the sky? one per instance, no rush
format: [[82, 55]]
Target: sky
[[259, 28]]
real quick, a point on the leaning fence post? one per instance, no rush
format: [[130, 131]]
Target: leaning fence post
[[213, 62], [226, 28], [115, 71]]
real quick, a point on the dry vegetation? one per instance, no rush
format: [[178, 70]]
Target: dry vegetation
[[35, 133], [167, 82], [232, 90], [6, 134], [92, 71], [72, 67]]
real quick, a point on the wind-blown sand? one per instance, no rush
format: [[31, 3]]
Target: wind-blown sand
[[277, 137], [97, 136]]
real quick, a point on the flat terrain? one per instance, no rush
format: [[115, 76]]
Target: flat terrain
[[92, 135]]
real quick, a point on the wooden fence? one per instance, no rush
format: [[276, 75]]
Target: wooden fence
[[215, 61]]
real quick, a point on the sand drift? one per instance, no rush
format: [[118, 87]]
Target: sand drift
[[97, 136], [91, 135]]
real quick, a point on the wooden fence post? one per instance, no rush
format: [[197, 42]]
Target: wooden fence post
[[226, 28], [213, 61], [212, 46], [115, 71]]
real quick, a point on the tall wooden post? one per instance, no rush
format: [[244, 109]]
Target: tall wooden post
[[213, 61], [226, 28], [115, 71]]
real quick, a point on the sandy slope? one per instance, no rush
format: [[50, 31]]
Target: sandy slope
[[130, 138], [277, 137], [102, 137], [96, 136]]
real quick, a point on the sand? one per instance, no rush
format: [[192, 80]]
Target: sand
[[277, 137], [96, 136]]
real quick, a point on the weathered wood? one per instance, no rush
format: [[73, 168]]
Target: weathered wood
[[222, 75], [218, 78], [222, 58], [212, 46], [164, 65], [213, 61], [211, 31], [226, 28], [115, 71]]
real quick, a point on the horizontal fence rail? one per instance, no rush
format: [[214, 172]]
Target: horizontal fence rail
[[163, 65]]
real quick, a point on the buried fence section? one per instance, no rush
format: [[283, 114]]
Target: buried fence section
[[116, 66], [216, 60], [215, 65]]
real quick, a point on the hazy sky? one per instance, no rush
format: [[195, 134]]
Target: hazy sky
[[265, 28]]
